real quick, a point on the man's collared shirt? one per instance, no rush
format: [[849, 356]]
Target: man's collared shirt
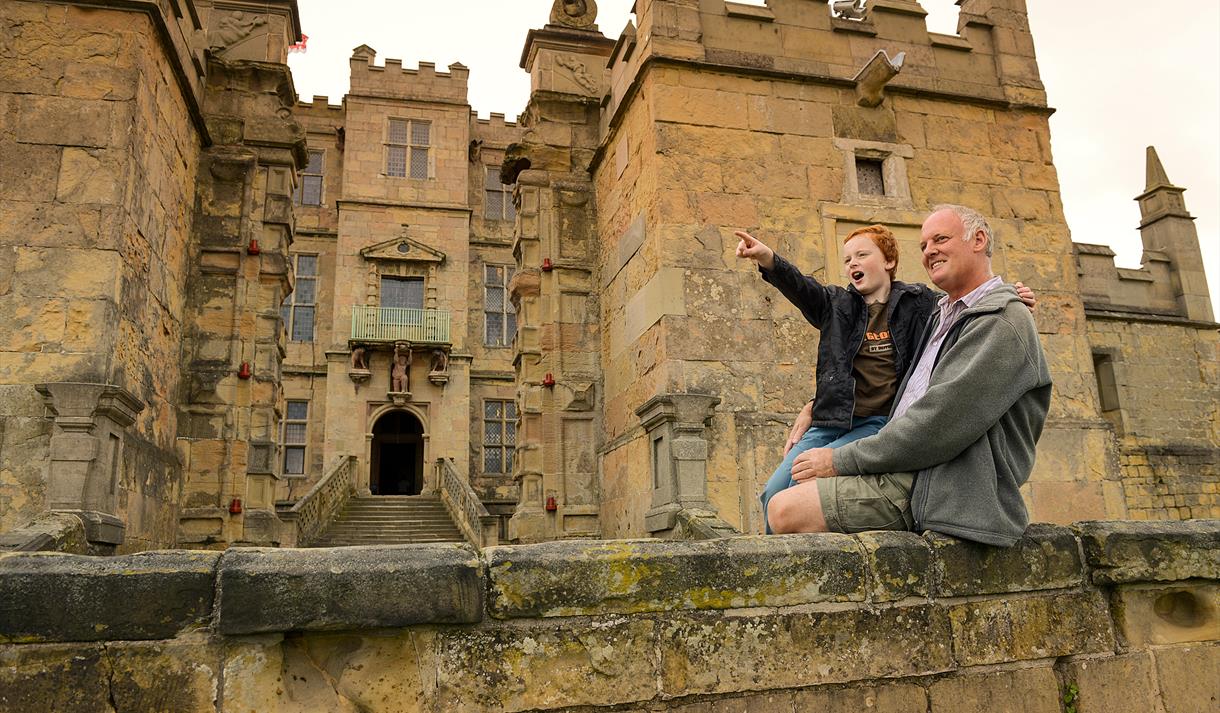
[[917, 386]]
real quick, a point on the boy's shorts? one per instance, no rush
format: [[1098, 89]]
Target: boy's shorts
[[855, 503]]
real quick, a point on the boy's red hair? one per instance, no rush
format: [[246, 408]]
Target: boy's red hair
[[884, 239]]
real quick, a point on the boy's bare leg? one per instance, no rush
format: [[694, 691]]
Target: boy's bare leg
[[797, 509]]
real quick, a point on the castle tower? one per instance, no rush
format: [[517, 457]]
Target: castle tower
[[1166, 226]]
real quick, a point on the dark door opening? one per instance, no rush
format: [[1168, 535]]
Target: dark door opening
[[396, 465]]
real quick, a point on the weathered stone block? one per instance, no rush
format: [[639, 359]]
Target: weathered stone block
[[1047, 557], [63, 121], [177, 675], [1021, 691], [878, 698], [572, 578], [714, 654], [1034, 627], [28, 173], [1167, 614], [267, 590], [1114, 683], [90, 176], [1126, 551], [1189, 677], [898, 565], [596, 662], [152, 595], [53, 678]]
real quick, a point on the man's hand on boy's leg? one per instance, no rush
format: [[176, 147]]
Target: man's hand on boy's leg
[[814, 463], [804, 420]]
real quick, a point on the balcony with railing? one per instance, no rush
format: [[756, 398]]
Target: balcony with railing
[[400, 324]]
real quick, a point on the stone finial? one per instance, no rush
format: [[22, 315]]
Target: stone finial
[[1155, 173], [871, 80], [578, 14]]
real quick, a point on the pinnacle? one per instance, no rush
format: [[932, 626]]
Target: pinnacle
[[1156, 176]]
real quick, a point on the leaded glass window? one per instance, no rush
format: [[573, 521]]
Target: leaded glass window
[[499, 435], [500, 318], [408, 147], [299, 308], [296, 427]]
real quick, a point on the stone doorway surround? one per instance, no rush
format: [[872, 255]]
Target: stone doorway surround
[[409, 438]]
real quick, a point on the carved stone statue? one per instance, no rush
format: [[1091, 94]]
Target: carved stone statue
[[360, 358], [580, 14], [440, 361], [234, 28], [400, 368], [848, 9], [580, 75]]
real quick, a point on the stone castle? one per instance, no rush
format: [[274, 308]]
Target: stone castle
[[228, 312], [233, 318]]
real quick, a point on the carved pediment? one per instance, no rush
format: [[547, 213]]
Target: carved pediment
[[402, 250]]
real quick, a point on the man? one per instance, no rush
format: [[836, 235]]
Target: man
[[960, 441]]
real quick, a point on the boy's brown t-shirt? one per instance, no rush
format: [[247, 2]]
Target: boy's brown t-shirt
[[873, 368]]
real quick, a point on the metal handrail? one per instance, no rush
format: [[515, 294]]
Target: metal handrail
[[313, 512], [392, 324], [479, 527]]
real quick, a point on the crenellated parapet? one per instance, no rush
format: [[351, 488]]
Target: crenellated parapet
[[391, 80]]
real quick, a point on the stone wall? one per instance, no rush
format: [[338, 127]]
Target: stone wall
[[100, 129], [1107, 615], [1165, 381]]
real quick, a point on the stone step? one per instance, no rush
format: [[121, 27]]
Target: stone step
[[339, 529]]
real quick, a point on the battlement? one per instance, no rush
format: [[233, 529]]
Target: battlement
[[392, 80], [495, 120], [992, 60], [1147, 289], [319, 105], [495, 130]]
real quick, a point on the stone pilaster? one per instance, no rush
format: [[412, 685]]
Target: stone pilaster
[[677, 427], [233, 351], [557, 362], [86, 454]]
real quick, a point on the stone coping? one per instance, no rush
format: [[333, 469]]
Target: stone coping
[[52, 597]]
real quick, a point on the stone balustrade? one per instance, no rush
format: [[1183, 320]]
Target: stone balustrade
[[1119, 615]]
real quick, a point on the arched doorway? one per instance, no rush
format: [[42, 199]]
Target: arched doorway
[[396, 464]]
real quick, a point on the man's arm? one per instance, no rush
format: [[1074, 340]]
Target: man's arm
[[977, 380]]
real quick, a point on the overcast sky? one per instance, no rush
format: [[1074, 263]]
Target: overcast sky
[[1122, 74]]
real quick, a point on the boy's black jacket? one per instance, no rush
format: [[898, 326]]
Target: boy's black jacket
[[842, 316]]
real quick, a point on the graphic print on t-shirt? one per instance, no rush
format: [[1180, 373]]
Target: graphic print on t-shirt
[[876, 381]]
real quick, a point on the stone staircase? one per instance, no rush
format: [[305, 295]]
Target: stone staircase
[[390, 520]]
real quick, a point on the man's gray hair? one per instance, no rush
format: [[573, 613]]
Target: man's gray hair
[[971, 219]]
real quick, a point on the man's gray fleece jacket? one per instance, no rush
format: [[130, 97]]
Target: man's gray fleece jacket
[[971, 437]]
